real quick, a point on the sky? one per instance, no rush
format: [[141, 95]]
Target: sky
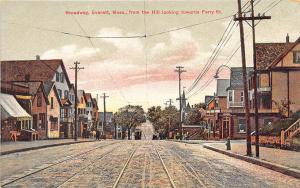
[[139, 71]]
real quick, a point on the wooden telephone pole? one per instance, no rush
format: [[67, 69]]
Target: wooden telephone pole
[[104, 110], [76, 69], [180, 70], [241, 19]]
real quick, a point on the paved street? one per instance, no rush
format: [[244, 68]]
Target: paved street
[[134, 164]]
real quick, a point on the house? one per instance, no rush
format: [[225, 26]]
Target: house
[[66, 120], [217, 114], [95, 114], [38, 70], [278, 80], [235, 103], [13, 118], [32, 97], [89, 111], [81, 111], [53, 110]]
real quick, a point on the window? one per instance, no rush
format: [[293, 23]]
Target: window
[[241, 125], [42, 121], [53, 123], [296, 57], [59, 93], [266, 101], [62, 78], [51, 103], [242, 96], [57, 76], [230, 96], [39, 99], [66, 94], [62, 113]]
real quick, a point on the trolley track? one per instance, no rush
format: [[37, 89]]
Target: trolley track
[[45, 166]]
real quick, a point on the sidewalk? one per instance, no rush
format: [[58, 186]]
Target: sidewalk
[[285, 161], [19, 146]]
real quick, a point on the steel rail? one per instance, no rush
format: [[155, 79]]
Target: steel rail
[[54, 164]]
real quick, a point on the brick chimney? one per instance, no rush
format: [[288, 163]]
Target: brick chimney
[[287, 38], [37, 57]]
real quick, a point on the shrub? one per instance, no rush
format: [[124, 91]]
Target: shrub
[[275, 128]]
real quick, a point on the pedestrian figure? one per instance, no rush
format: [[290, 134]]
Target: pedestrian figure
[[97, 135]]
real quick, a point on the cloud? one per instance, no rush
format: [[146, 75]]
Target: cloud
[[71, 52]]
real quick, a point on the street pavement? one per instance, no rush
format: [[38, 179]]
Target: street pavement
[[278, 156], [140, 163]]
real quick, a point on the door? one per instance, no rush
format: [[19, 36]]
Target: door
[[35, 122]]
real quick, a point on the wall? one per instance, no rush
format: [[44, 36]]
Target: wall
[[62, 86], [287, 61], [294, 90], [55, 112], [37, 111], [279, 88]]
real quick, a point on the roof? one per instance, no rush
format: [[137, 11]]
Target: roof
[[236, 77], [88, 96], [48, 86], [208, 99], [266, 53], [38, 70], [95, 105], [284, 53], [11, 108], [222, 85], [81, 93]]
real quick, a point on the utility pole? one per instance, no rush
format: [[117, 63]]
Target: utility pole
[[170, 102], [104, 110], [253, 18], [76, 68], [248, 130], [180, 70]]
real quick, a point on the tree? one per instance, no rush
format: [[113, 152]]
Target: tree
[[163, 120], [130, 117], [193, 117], [283, 107]]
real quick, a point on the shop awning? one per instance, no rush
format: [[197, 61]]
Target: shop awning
[[11, 108]]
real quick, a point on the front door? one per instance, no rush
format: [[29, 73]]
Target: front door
[[35, 122]]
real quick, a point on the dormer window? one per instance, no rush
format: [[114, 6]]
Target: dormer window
[[296, 57]]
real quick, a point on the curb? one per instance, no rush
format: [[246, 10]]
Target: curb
[[40, 147], [279, 168]]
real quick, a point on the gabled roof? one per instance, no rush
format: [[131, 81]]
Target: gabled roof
[[39, 70], [208, 99], [48, 87], [222, 85], [236, 77], [266, 53], [32, 87], [81, 93], [284, 53], [88, 96], [95, 105]]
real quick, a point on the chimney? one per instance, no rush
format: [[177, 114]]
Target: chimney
[[38, 57], [287, 38]]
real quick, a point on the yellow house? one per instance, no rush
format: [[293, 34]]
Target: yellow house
[[82, 115], [53, 111]]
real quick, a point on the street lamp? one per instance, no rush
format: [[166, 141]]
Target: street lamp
[[216, 76]]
